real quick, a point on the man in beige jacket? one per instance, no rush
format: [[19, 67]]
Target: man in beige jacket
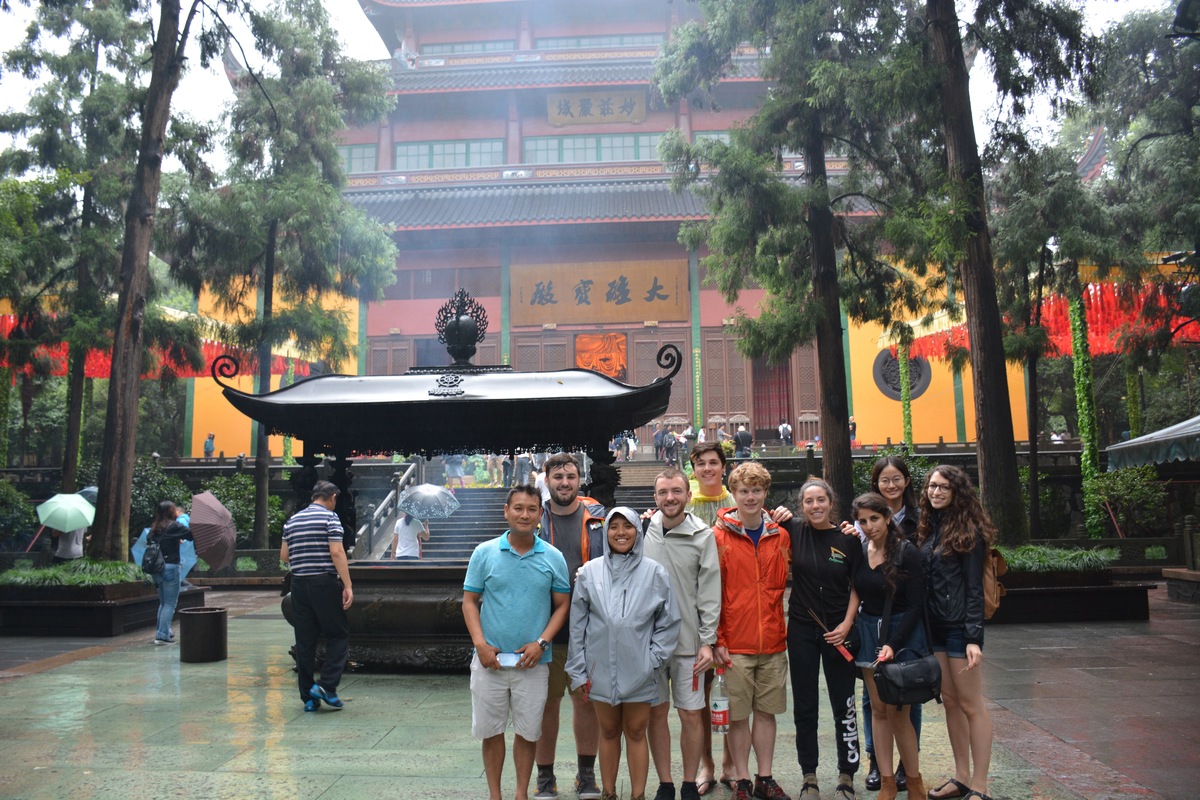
[[684, 544]]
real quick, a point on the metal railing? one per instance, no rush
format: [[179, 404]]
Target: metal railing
[[375, 536]]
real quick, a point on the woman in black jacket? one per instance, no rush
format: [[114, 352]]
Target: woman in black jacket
[[168, 532], [891, 479], [955, 535]]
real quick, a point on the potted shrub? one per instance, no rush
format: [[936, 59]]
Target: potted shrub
[[81, 598], [1051, 584]]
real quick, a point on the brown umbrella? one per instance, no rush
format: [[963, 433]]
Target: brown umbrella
[[212, 527]]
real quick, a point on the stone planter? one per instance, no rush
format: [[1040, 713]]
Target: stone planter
[[107, 610], [1070, 597], [1055, 579]]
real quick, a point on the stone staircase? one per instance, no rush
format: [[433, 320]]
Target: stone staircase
[[480, 517]]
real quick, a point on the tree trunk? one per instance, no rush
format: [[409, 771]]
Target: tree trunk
[[110, 530], [1031, 411], [86, 302], [998, 480], [262, 456], [831, 357]]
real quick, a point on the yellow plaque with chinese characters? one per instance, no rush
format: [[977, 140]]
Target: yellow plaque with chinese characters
[[621, 292], [595, 108]]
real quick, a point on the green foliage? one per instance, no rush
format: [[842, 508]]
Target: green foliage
[[236, 493], [151, 485], [1134, 496], [80, 572], [17, 516], [1040, 558], [1054, 502], [1155, 552]]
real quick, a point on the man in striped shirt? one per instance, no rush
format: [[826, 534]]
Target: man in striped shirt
[[321, 593]]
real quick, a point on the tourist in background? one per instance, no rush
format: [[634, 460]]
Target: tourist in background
[[955, 535], [624, 627], [821, 615], [891, 566], [168, 532], [410, 533], [321, 593]]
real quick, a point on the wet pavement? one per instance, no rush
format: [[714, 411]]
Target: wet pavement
[[1098, 711]]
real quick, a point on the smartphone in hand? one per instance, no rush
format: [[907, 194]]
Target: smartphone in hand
[[508, 660]]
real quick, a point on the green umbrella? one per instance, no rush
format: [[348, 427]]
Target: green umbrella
[[66, 512]]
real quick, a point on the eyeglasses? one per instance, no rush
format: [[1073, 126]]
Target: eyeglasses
[[891, 481], [939, 488]]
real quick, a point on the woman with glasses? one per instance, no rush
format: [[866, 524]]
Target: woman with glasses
[[955, 535], [891, 479]]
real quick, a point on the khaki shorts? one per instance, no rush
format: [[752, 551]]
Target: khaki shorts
[[675, 684], [497, 693], [757, 683], [558, 682]]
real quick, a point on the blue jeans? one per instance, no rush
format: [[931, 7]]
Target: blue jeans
[[167, 583]]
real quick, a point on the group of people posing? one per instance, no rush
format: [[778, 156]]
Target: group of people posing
[[627, 612]]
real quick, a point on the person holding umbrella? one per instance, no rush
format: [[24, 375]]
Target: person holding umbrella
[[169, 533], [410, 532]]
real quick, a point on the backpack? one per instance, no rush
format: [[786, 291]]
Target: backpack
[[994, 566], [153, 562]]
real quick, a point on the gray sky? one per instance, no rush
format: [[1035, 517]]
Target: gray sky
[[204, 93]]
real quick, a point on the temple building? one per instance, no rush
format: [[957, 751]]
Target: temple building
[[521, 164]]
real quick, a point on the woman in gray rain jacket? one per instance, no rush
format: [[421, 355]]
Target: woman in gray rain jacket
[[624, 625]]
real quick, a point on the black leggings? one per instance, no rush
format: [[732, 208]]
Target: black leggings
[[808, 653]]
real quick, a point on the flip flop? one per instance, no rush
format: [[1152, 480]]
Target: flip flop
[[729, 783], [705, 786], [974, 793], [961, 790]]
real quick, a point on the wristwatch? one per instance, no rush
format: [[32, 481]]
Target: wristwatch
[[545, 645]]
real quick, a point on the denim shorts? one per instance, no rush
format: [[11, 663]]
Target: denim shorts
[[951, 641]]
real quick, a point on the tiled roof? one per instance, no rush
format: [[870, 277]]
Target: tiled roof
[[536, 203], [552, 74], [427, 208]]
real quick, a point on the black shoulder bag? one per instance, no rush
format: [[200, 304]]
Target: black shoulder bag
[[903, 683]]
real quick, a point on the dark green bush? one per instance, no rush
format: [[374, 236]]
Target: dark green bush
[[1134, 496], [151, 485], [18, 520], [1039, 558], [81, 572]]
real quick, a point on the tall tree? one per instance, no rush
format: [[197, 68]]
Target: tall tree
[[172, 37], [277, 242], [1031, 45], [87, 61]]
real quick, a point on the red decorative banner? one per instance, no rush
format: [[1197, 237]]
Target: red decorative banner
[[98, 363]]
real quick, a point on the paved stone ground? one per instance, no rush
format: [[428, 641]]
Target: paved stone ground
[[1081, 711]]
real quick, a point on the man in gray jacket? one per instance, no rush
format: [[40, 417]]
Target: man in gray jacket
[[684, 544]]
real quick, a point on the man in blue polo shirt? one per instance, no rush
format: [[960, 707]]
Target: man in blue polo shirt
[[509, 580]]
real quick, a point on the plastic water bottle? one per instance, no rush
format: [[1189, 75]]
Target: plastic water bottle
[[719, 703]]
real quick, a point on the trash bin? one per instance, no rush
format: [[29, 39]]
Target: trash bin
[[203, 635]]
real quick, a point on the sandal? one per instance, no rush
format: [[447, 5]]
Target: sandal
[[960, 790], [728, 783], [974, 793], [705, 786]]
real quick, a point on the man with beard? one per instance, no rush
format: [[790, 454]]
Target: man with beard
[[575, 525], [683, 543]]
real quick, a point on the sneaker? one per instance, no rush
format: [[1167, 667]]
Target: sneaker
[[585, 786], [547, 788], [744, 790], [330, 698], [312, 704], [767, 789]]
